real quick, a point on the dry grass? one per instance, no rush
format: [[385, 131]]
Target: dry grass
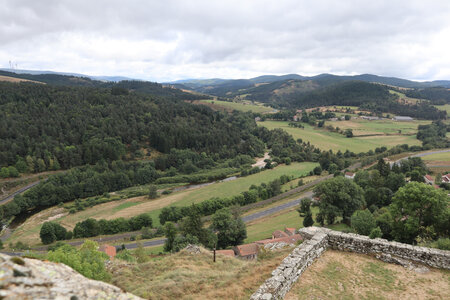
[[344, 275], [13, 79], [190, 276]]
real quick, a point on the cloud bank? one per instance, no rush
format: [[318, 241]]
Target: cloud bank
[[176, 39]]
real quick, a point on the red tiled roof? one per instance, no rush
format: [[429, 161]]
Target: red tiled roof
[[288, 239], [109, 250], [349, 173], [247, 249], [290, 230], [226, 252], [278, 234], [429, 177]]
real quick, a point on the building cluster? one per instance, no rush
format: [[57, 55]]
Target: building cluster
[[430, 180], [250, 251]]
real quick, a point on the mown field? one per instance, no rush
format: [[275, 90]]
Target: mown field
[[241, 106], [445, 156], [345, 275], [29, 231], [327, 140]]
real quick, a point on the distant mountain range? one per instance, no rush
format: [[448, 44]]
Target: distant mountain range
[[232, 85], [38, 72]]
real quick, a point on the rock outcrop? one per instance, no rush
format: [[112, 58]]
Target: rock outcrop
[[23, 278]]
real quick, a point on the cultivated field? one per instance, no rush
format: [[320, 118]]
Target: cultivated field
[[241, 106], [29, 231], [344, 275], [326, 140]]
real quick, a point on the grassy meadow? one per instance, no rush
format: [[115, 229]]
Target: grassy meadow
[[327, 140], [29, 231], [445, 156], [346, 275], [241, 106], [194, 276], [445, 107]]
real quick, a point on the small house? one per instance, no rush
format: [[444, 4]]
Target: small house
[[226, 252], [289, 230], [349, 175], [247, 251], [402, 118], [279, 234], [109, 250], [446, 178], [428, 179]]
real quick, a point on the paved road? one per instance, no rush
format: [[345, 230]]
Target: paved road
[[430, 153], [10, 197], [248, 218]]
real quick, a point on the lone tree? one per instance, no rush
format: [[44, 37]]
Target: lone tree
[[231, 230], [171, 232], [308, 221], [339, 197], [152, 192], [305, 207], [51, 231], [419, 210]]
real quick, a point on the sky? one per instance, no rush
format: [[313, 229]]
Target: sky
[[166, 40]]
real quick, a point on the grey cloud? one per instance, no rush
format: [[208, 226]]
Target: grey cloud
[[171, 39]]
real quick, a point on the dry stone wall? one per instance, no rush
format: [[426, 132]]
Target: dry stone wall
[[291, 268], [318, 239]]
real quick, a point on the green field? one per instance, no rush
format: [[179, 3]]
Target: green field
[[445, 107], [241, 106], [445, 156], [327, 140], [29, 231]]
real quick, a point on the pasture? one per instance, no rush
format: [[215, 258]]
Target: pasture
[[327, 140], [346, 275], [241, 106], [29, 231]]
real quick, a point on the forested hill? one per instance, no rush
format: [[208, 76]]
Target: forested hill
[[52, 127], [121, 87]]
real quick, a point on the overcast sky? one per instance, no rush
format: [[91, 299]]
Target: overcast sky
[[164, 40]]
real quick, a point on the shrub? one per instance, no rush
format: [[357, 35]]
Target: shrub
[[363, 222], [443, 243], [376, 233], [125, 255], [308, 221]]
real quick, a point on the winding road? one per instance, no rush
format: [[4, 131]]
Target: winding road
[[246, 219], [20, 191]]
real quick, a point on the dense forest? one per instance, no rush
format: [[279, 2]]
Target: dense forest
[[45, 127], [369, 96], [437, 95]]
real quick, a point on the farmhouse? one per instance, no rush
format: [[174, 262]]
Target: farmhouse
[[109, 250], [402, 118], [349, 175], [428, 179], [226, 252], [446, 178], [247, 251]]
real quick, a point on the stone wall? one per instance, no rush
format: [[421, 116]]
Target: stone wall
[[291, 268], [362, 244], [318, 239]]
